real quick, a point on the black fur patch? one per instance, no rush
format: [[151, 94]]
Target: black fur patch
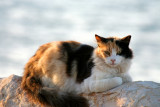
[[54, 98], [32, 85], [84, 62], [126, 51], [67, 48], [105, 40], [82, 56]]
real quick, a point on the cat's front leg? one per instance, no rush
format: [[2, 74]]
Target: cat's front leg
[[126, 78], [102, 84], [106, 84]]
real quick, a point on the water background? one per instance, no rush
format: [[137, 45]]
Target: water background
[[27, 24]]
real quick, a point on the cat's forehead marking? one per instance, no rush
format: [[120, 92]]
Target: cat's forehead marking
[[112, 45], [114, 52]]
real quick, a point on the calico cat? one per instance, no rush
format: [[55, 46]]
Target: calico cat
[[61, 70]]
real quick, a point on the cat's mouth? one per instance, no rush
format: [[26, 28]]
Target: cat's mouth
[[113, 64], [110, 64]]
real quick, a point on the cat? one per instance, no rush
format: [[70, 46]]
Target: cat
[[61, 70]]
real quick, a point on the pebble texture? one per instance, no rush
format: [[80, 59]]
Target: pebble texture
[[135, 94]]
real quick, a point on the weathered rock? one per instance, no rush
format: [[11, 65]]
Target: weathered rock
[[135, 94], [11, 94]]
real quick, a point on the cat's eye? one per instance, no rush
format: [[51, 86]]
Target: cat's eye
[[118, 53], [107, 52]]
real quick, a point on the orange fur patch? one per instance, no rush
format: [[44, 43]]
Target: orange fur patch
[[105, 49]]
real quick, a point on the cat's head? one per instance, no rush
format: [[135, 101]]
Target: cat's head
[[114, 50]]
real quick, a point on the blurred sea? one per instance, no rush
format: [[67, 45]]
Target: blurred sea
[[27, 24]]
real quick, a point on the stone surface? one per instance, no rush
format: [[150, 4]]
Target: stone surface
[[135, 94], [11, 94]]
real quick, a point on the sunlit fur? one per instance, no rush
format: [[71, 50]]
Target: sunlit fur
[[60, 70], [105, 75], [112, 50]]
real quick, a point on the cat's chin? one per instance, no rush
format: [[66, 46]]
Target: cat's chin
[[112, 65]]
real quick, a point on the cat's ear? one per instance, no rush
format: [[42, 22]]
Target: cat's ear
[[126, 39], [100, 40]]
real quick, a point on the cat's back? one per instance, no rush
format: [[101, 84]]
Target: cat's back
[[55, 50], [60, 56], [62, 50]]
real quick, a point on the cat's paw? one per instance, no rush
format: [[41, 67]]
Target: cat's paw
[[117, 80], [126, 79]]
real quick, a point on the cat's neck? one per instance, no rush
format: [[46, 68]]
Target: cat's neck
[[102, 66]]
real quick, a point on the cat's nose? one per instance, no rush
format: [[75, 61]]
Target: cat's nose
[[113, 60]]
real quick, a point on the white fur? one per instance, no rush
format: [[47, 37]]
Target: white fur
[[115, 57], [47, 82], [91, 85], [104, 76], [70, 84]]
